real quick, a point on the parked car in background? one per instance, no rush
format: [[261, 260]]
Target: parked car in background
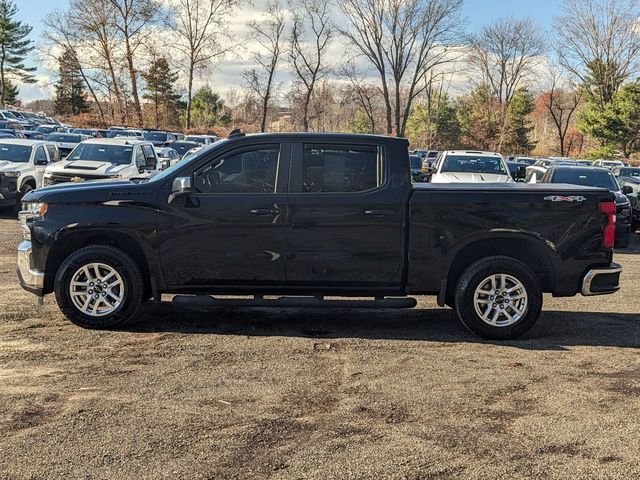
[[102, 158], [167, 156], [137, 134], [179, 136], [600, 178], [66, 142], [467, 166], [517, 170], [202, 139], [536, 171], [610, 164], [159, 138], [183, 147], [416, 168], [629, 181], [22, 166], [92, 132], [47, 129], [33, 135], [23, 121], [527, 160], [340, 217], [14, 133], [10, 125]]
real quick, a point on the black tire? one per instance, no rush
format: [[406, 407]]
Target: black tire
[[472, 278], [117, 260]]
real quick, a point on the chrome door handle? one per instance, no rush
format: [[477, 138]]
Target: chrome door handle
[[263, 212]]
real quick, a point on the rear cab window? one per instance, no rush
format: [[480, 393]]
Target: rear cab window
[[337, 168]]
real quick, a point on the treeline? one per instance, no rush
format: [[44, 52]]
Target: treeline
[[405, 68]]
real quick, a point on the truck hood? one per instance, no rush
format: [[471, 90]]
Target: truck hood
[[85, 167], [7, 166], [469, 177], [83, 192], [635, 180]]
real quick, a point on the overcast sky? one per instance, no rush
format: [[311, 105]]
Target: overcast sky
[[226, 75]]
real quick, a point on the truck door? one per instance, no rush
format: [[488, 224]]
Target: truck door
[[346, 216], [230, 230], [40, 161]]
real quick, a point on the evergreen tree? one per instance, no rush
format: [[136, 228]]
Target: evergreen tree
[[160, 84], [208, 108], [11, 93], [519, 126], [14, 47], [71, 97], [435, 125]]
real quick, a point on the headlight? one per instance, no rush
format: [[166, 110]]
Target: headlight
[[12, 173], [33, 211]]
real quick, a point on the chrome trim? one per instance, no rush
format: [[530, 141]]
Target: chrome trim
[[181, 185], [29, 277], [592, 274]]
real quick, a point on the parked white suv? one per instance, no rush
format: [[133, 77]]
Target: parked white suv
[[466, 166], [105, 158], [22, 167]]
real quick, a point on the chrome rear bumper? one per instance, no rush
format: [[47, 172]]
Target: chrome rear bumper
[[602, 280]]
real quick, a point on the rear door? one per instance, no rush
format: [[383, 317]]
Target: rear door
[[346, 216]]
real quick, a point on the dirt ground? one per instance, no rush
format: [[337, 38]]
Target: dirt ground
[[302, 394]]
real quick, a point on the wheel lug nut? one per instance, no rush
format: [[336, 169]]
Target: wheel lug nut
[[91, 284], [504, 293], [90, 291], [501, 307], [494, 304], [96, 296], [490, 298], [104, 294]]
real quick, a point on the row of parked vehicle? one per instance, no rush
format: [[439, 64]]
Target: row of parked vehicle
[[60, 154], [458, 166]]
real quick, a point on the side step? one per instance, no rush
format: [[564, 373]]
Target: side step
[[315, 302]]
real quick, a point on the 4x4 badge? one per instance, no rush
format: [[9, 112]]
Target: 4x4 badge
[[567, 198]]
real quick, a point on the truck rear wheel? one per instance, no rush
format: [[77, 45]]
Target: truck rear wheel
[[498, 298], [99, 287]]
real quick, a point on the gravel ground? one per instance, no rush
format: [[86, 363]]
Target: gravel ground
[[332, 394]]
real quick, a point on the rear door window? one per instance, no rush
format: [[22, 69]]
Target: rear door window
[[339, 169]]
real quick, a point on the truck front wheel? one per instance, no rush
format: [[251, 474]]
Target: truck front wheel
[[99, 287], [498, 298]]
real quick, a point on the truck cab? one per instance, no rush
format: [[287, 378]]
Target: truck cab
[[22, 166], [104, 159]]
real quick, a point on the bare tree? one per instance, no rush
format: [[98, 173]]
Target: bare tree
[[60, 32], [403, 40], [599, 43], [310, 36], [133, 19], [503, 57], [198, 25], [561, 105], [366, 95], [268, 34]]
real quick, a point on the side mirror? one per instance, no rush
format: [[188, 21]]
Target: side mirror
[[521, 172], [627, 190], [180, 186], [41, 162], [150, 163]]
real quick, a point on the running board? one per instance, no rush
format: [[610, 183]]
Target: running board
[[315, 302]]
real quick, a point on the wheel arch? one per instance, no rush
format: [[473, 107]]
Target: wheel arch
[[71, 242], [530, 250]]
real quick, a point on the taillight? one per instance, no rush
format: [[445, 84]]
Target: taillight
[[609, 231]]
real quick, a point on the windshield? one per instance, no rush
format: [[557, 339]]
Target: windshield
[[630, 172], [55, 137], [472, 164], [15, 153], [611, 164], [9, 115], [191, 138], [46, 129], [587, 177], [416, 161], [122, 133], [161, 136], [95, 152]]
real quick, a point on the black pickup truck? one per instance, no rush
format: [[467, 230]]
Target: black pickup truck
[[306, 216]]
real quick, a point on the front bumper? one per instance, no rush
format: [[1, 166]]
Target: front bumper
[[31, 280], [602, 280]]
